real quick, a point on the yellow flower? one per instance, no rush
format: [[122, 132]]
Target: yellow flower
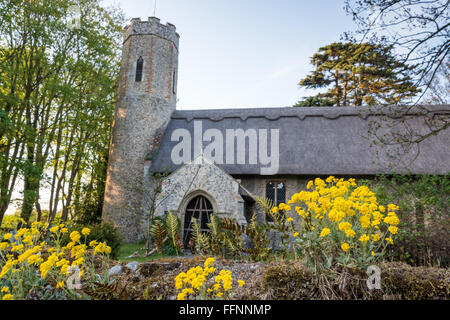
[[35, 259], [5, 289], [208, 262], [373, 253], [364, 238], [274, 210], [21, 232], [8, 297], [93, 243], [365, 222], [295, 234], [60, 284], [18, 248], [375, 237], [54, 229], [350, 233], [219, 294], [28, 240], [345, 246], [389, 239], [7, 236], [392, 207], [392, 219], [289, 219], [75, 236], [325, 232], [64, 230], [241, 283], [344, 226], [393, 229], [86, 231]]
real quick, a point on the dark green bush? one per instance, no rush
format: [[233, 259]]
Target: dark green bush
[[424, 230]]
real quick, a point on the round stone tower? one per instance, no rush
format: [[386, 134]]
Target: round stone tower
[[146, 100]]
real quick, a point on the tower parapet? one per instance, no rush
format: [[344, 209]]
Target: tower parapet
[[152, 27]]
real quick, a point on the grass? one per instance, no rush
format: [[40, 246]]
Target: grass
[[127, 249]]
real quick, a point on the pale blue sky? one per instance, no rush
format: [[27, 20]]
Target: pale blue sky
[[244, 53]]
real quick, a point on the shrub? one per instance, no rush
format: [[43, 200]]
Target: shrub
[[103, 232], [424, 236], [403, 281], [398, 281], [35, 269], [341, 222], [289, 282], [197, 283]]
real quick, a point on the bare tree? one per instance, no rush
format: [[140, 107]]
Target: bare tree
[[418, 29]]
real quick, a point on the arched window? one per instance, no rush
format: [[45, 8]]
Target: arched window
[[275, 191], [199, 208], [139, 66]]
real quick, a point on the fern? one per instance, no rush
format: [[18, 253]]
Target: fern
[[233, 235], [158, 231], [258, 235], [278, 218], [217, 238], [201, 240], [172, 231]]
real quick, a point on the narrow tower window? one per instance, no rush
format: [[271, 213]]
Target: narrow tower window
[[139, 66], [174, 79]]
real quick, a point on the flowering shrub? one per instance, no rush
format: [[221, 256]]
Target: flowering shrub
[[29, 263], [197, 283], [341, 220]]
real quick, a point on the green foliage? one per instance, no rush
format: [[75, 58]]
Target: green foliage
[[233, 232], [314, 102], [278, 218], [424, 236], [358, 74], [217, 241], [172, 228], [200, 239], [257, 233], [57, 94], [158, 231], [102, 232]]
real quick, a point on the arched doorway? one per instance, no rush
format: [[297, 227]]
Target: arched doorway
[[199, 208]]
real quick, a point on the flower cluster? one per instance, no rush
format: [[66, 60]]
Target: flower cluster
[[342, 220], [24, 255], [197, 282]]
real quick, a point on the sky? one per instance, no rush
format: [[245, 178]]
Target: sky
[[244, 53]]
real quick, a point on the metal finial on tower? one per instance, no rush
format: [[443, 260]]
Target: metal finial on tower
[[154, 8]]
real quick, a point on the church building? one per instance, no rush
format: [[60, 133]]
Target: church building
[[199, 163]]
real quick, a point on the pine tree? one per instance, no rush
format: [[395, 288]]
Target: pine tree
[[358, 74]]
